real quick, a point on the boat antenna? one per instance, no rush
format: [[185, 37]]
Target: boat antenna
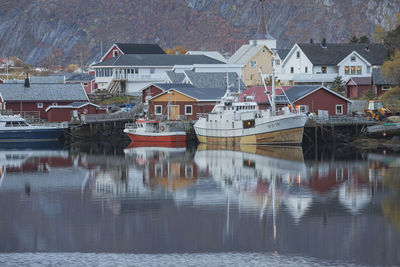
[[227, 85]]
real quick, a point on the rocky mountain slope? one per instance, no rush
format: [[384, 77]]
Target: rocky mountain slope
[[60, 32]]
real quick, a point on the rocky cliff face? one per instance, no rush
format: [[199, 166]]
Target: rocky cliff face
[[57, 31]]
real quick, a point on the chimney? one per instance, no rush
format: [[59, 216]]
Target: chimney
[[323, 44], [311, 41], [367, 48], [26, 83]]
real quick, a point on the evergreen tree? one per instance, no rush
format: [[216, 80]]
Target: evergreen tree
[[353, 40], [338, 85], [364, 40]]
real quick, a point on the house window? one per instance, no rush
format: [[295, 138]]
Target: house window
[[298, 54], [39, 105], [291, 69], [346, 69], [115, 53], [85, 84], [158, 110], [339, 109], [277, 62], [303, 108], [306, 69], [386, 87], [353, 69], [188, 109], [264, 50], [152, 70], [359, 70], [253, 63], [252, 77], [353, 58], [323, 69], [54, 104]]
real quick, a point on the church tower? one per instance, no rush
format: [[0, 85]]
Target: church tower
[[262, 36]]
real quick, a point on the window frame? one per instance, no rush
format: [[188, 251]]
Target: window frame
[[341, 108], [155, 109], [191, 109], [115, 53], [253, 63], [387, 89], [324, 69], [39, 105], [297, 54]]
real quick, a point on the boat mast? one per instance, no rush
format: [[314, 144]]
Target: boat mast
[[273, 108]]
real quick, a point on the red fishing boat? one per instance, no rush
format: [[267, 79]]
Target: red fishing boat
[[154, 131]]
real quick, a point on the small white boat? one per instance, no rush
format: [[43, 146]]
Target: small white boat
[[13, 128]]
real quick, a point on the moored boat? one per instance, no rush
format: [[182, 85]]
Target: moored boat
[[242, 122], [13, 128], [155, 131]]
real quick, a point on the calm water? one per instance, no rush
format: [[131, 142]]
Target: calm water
[[209, 206]]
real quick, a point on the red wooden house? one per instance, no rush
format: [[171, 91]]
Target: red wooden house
[[31, 100], [357, 87], [309, 98], [126, 49], [61, 113], [85, 79]]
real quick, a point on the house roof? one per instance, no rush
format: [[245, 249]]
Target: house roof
[[175, 77], [78, 77], [378, 79], [43, 92], [202, 94], [298, 92], [157, 60], [212, 54], [259, 92], [214, 79], [129, 48], [245, 53], [282, 53], [40, 79], [335, 53], [72, 105], [361, 80], [167, 86]]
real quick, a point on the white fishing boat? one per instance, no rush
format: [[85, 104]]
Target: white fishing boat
[[242, 122]]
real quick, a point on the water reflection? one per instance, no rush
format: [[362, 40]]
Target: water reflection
[[152, 199]]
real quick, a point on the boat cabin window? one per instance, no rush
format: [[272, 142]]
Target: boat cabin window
[[8, 124]]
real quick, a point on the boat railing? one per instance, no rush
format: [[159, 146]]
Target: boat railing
[[130, 126], [52, 124]]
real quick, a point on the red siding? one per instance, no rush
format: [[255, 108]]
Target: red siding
[[378, 90], [64, 114], [111, 53], [357, 91], [32, 106], [152, 90], [323, 100]]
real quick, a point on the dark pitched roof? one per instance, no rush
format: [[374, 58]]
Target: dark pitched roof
[[282, 53], [78, 77], [157, 60], [378, 79], [361, 80], [175, 77], [43, 92], [299, 91], [140, 48], [40, 79], [167, 86], [214, 80], [334, 53], [203, 94]]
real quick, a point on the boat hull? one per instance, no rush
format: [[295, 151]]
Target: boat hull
[[164, 137], [31, 135], [282, 131]]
